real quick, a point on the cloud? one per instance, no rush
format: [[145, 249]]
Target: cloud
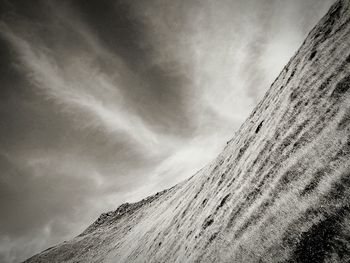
[[77, 91]]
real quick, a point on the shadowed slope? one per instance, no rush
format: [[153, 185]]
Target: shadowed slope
[[279, 192]]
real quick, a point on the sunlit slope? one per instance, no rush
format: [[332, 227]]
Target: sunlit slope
[[279, 191]]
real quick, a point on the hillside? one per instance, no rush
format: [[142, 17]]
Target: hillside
[[279, 191]]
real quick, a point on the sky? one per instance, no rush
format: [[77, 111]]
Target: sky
[[106, 102]]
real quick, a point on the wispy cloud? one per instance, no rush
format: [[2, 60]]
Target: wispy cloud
[[81, 90]]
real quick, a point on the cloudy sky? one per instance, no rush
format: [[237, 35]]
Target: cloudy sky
[[105, 102]]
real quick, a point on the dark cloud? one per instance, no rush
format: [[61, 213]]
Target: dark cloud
[[121, 31], [104, 102]]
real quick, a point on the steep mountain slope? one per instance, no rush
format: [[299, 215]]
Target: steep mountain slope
[[279, 191]]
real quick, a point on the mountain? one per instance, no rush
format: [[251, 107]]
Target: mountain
[[279, 191]]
